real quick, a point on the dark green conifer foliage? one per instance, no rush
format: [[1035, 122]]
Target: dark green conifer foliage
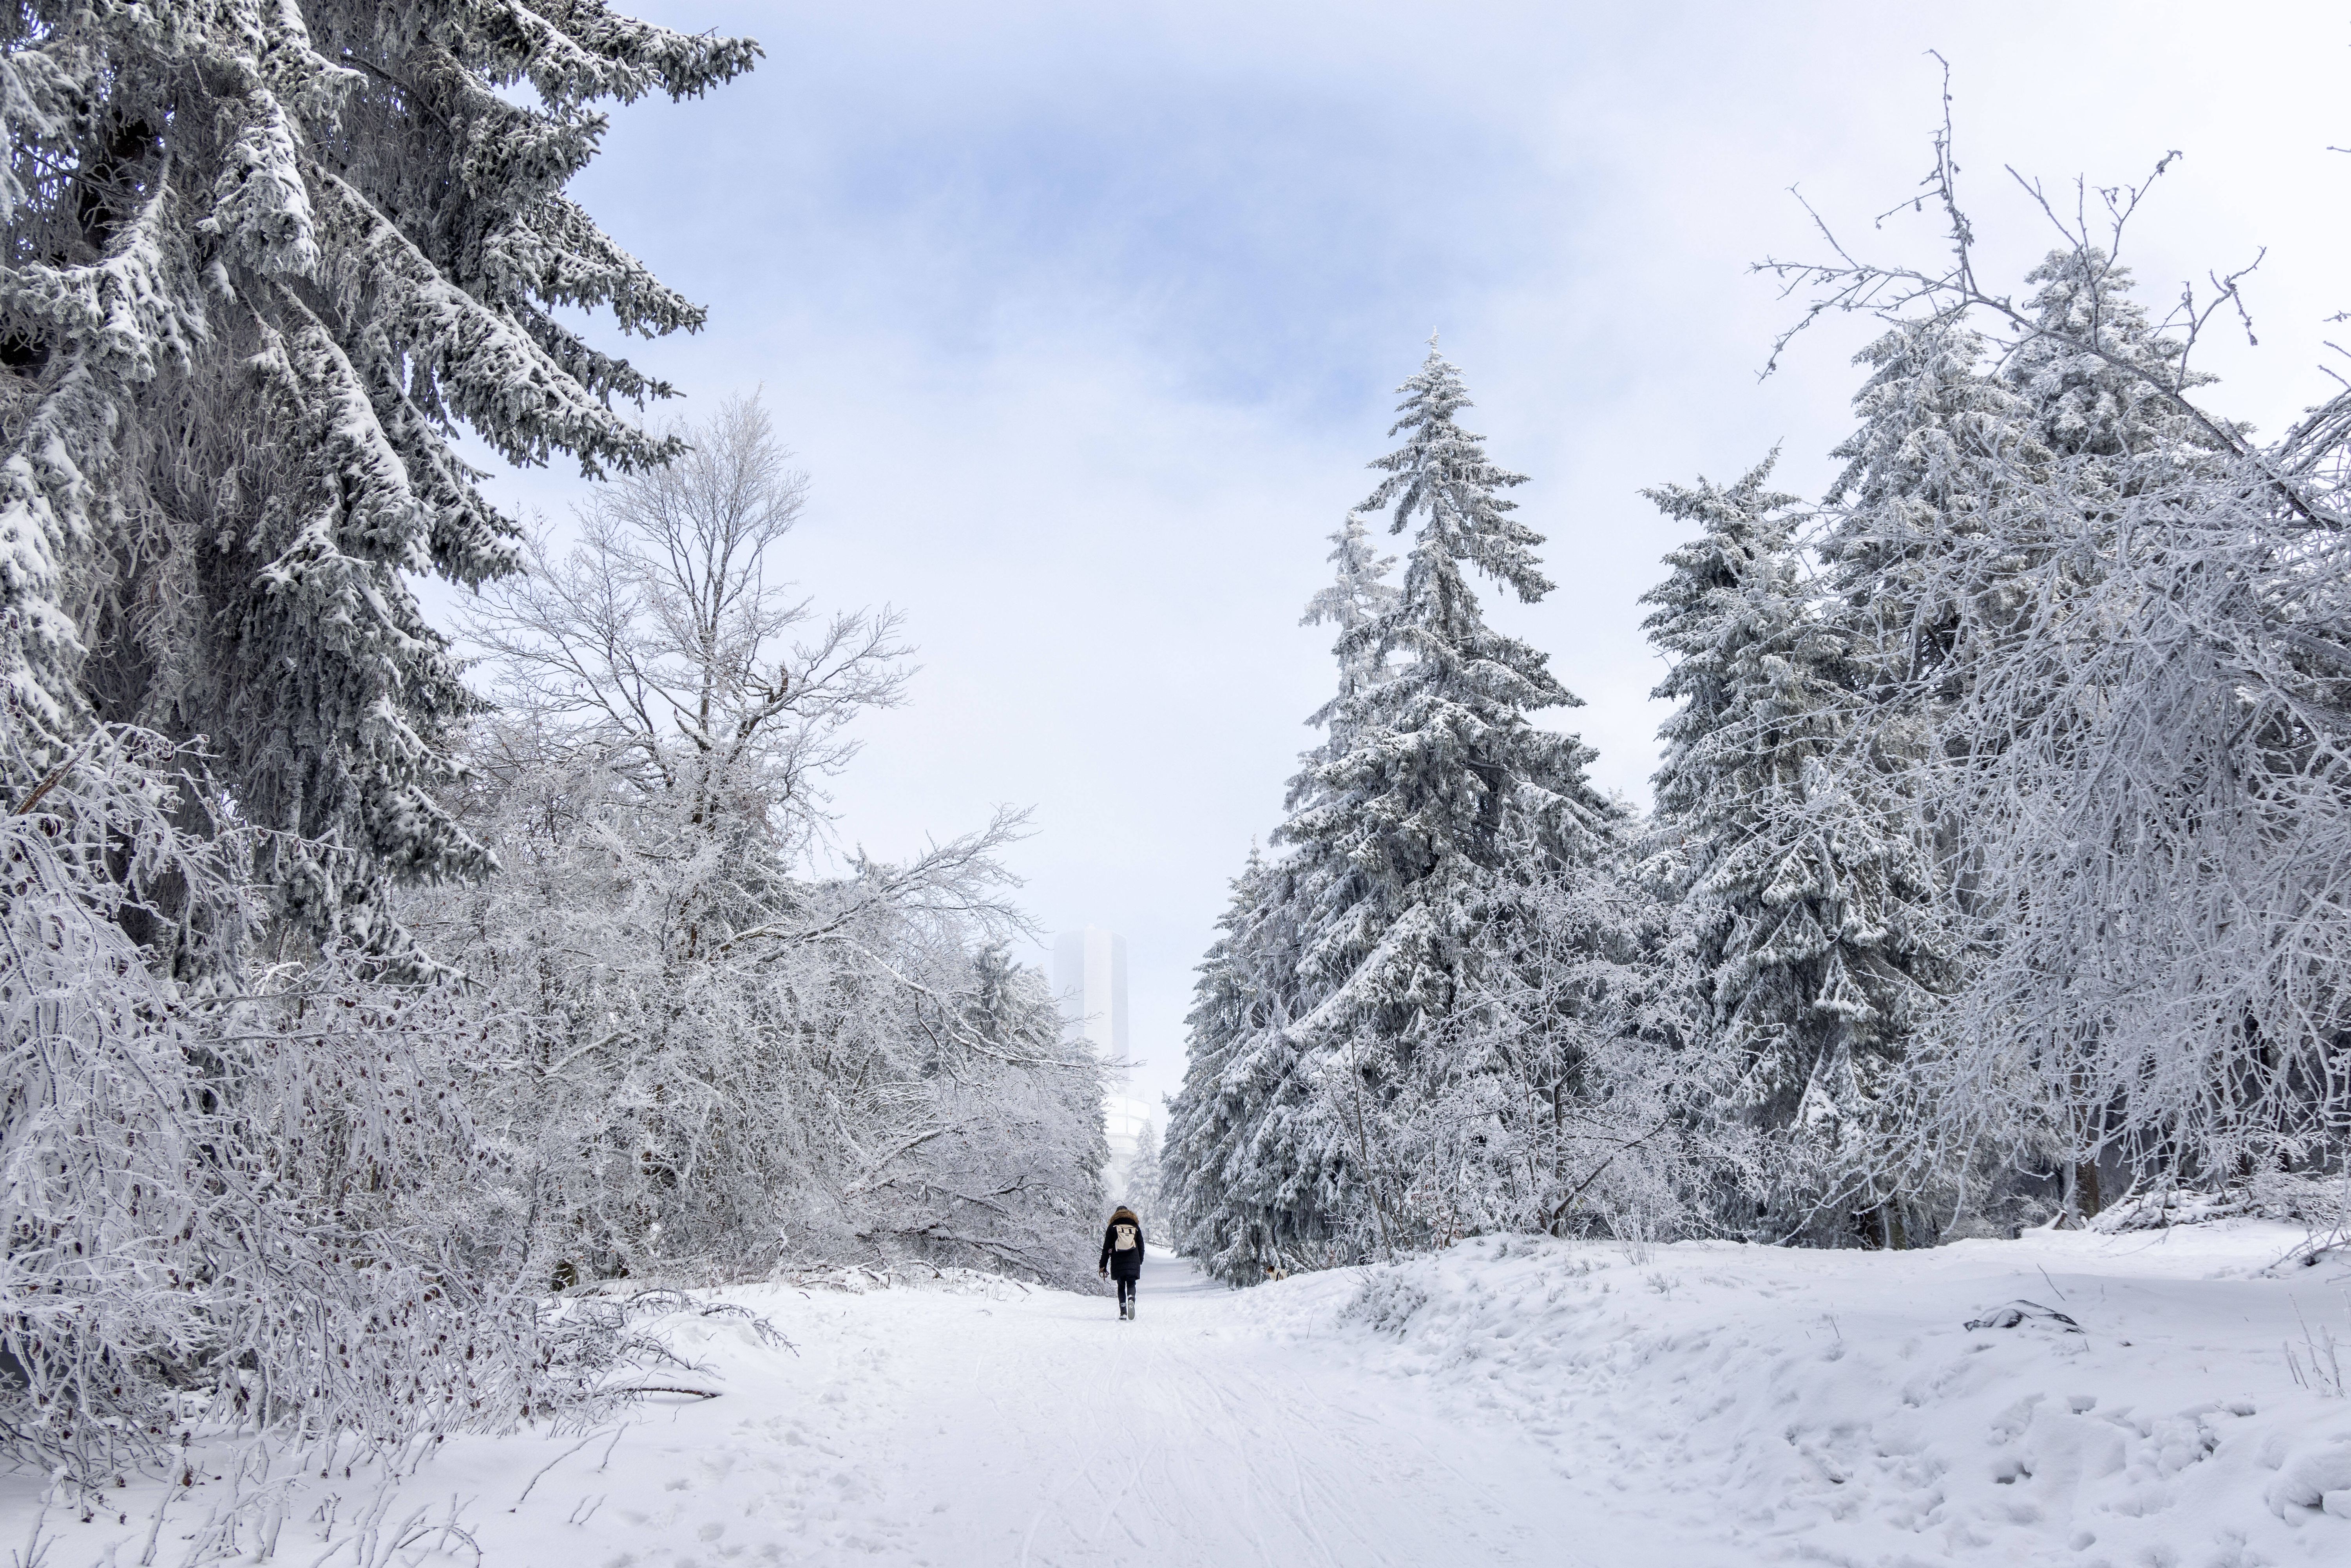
[[263, 262]]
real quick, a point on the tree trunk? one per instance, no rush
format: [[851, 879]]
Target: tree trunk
[[2086, 1201]]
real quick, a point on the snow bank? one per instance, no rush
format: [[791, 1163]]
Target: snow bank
[[2145, 1398], [857, 1279], [2320, 1204]]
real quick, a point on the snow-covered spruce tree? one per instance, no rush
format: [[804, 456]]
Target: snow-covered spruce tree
[[2098, 379], [1974, 518], [1939, 440], [2094, 418], [729, 1055], [1250, 1163], [1208, 1175], [1941, 445], [261, 259], [2093, 428], [1807, 892], [1197, 1162], [1358, 594], [1245, 1155], [1440, 804]]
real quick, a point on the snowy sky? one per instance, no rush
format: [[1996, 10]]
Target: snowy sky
[[1085, 320]]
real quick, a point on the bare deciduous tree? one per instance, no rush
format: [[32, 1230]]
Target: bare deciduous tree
[[730, 1048]]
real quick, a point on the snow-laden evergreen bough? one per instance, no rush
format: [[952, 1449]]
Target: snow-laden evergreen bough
[[262, 259], [1806, 891]]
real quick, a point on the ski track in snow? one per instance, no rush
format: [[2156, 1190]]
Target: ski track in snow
[[1506, 1402]]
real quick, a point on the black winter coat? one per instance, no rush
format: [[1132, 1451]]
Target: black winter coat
[[1123, 1264]]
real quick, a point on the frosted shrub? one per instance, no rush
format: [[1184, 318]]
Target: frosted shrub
[[235, 1197]]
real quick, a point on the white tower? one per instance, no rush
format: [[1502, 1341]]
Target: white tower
[[1090, 973]]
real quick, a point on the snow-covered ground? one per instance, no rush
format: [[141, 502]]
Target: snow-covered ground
[[1507, 1402]]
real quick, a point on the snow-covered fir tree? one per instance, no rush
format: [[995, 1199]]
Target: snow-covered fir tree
[[1807, 891], [1247, 1160], [1439, 803], [1360, 1076], [263, 259], [1248, 1164], [1936, 445], [1359, 591], [1911, 577], [2097, 377], [1205, 1159]]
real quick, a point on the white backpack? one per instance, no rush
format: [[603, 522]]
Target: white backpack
[[1123, 1239]]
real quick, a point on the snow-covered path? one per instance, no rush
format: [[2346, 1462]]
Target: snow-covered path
[[1039, 1430]]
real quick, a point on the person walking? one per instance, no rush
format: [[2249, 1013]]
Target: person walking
[[1122, 1257]]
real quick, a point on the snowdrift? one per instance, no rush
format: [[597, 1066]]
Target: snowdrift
[[2146, 1399]]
